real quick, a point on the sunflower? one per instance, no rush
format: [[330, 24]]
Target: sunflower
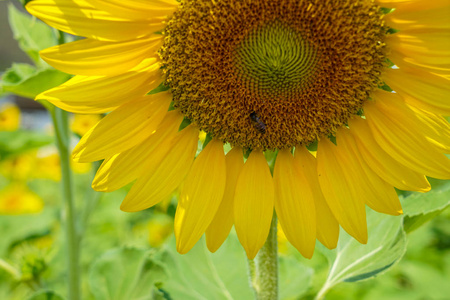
[[17, 199], [9, 117], [363, 82]]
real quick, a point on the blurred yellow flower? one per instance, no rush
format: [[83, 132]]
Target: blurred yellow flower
[[82, 123], [160, 227], [48, 167], [80, 168], [43, 164], [9, 117], [18, 167], [18, 199]]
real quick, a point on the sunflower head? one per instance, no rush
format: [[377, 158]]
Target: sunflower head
[[297, 69], [258, 75]]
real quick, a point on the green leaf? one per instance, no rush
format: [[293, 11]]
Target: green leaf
[[16, 142], [31, 34], [295, 278], [125, 273], [27, 81], [418, 281], [17, 73], [200, 275], [352, 261], [16, 229], [428, 282], [161, 294], [420, 208], [45, 295]]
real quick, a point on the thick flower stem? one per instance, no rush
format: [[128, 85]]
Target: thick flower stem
[[61, 124], [264, 269]]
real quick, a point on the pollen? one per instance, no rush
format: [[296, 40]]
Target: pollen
[[273, 74]]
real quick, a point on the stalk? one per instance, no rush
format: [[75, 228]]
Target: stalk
[[61, 124], [263, 270]]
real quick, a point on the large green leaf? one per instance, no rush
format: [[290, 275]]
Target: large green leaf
[[200, 275], [125, 273], [16, 142], [16, 229], [27, 81], [31, 34], [352, 261], [295, 278], [420, 208]]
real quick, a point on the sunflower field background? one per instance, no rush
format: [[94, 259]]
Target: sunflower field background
[[132, 255]]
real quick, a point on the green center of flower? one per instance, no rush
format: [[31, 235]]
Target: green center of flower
[[273, 74], [274, 60]]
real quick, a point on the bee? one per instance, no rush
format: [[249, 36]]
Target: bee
[[257, 123]]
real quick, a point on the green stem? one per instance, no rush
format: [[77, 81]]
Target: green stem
[[61, 123], [265, 267], [252, 274]]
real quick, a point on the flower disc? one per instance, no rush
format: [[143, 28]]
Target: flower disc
[[272, 74]]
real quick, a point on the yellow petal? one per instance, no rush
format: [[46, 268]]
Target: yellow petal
[[201, 196], [422, 89], [91, 57], [120, 169], [435, 127], [375, 192], [100, 94], [421, 43], [393, 3], [428, 64], [397, 130], [136, 9], [423, 48], [254, 202], [221, 225], [421, 5], [124, 128], [294, 204], [420, 14], [327, 225], [81, 18], [382, 163], [161, 179], [334, 168]]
